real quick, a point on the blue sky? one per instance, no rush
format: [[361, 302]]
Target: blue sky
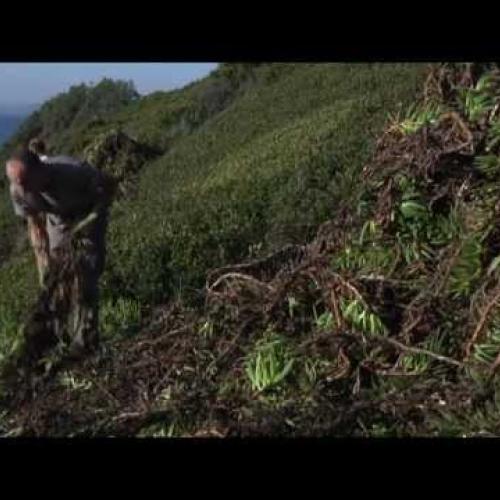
[[32, 83]]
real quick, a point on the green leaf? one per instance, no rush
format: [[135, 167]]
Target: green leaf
[[412, 209], [493, 266]]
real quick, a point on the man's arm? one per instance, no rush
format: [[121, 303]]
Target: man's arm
[[21, 208], [39, 238], [37, 230], [26, 203]]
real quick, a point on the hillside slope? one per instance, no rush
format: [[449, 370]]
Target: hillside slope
[[277, 152], [263, 169]]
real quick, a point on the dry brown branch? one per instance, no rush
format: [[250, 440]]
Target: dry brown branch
[[352, 288], [409, 328], [418, 350], [113, 399], [495, 365], [336, 313], [457, 119], [482, 322], [160, 339], [406, 348], [289, 253], [239, 276], [449, 267], [382, 340]]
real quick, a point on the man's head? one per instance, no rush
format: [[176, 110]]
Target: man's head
[[37, 146], [25, 169]]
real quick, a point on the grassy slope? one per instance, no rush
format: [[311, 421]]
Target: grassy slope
[[265, 165], [265, 170]]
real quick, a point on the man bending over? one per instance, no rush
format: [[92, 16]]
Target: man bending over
[[58, 194]]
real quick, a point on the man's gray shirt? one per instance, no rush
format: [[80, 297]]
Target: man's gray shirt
[[70, 195]]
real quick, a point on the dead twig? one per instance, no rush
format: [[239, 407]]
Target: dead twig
[[383, 340], [406, 348], [482, 322], [243, 277], [418, 350], [160, 339], [352, 288]]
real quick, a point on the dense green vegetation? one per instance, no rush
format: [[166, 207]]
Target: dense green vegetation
[[264, 169], [61, 119]]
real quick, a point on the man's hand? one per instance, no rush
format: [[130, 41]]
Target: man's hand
[[21, 208], [84, 223], [43, 274]]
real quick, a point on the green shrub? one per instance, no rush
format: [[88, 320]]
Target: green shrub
[[467, 267], [362, 319], [269, 363], [119, 318], [9, 332], [268, 170]]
